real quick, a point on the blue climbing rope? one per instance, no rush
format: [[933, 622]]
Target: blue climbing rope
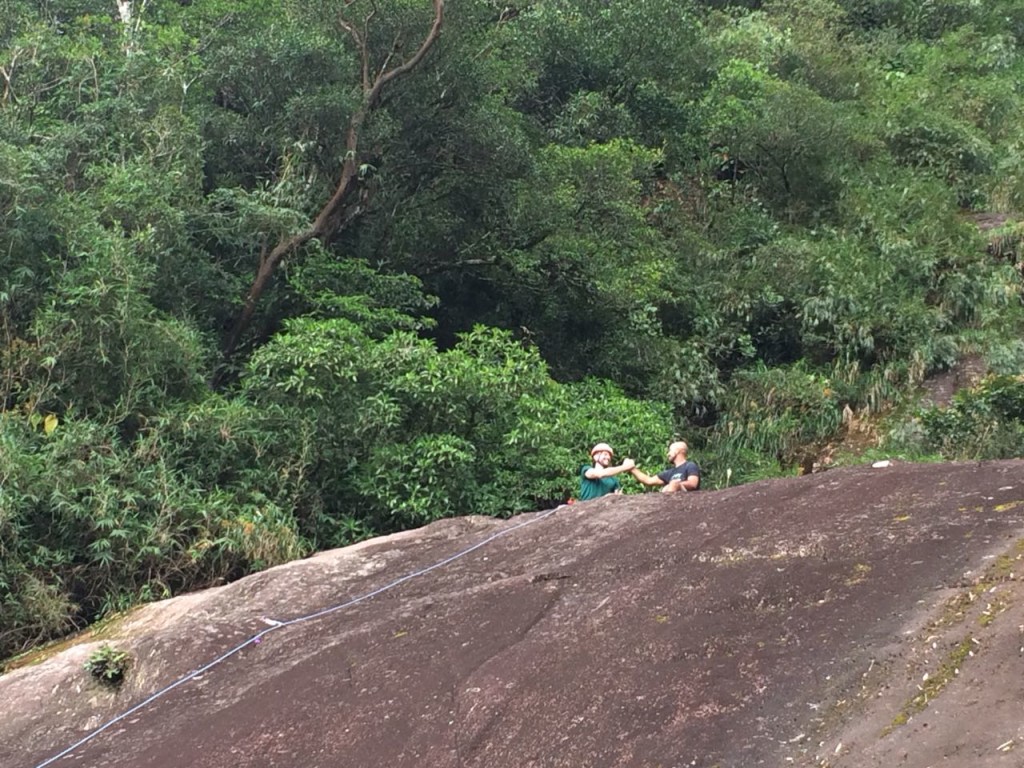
[[291, 622]]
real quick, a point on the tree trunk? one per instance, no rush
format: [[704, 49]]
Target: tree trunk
[[344, 205]]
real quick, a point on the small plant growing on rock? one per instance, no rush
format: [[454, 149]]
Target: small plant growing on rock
[[108, 665]]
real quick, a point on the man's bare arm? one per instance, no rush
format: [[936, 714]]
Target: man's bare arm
[[646, 479], [595, 472]]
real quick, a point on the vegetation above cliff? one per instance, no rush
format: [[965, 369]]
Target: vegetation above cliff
[[280, 276]]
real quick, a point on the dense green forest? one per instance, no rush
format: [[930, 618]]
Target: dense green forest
[[279, 275]]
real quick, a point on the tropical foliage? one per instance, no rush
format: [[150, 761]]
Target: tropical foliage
[[280, 276]]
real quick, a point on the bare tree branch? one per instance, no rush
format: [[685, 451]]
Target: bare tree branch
[[349, 198], [395, 47], [8, 75], [360, 46], [412, 63]]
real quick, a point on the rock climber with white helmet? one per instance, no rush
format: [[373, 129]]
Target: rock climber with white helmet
[[598, 479]]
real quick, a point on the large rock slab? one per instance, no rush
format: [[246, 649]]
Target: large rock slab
[[787, 622]]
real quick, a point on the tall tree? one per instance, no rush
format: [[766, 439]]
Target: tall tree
[[347, 201]]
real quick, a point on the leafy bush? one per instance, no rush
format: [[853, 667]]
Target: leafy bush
[[108, 665], [91, 523], [785, 414], [986, 422], [101, 344], [407, 434]]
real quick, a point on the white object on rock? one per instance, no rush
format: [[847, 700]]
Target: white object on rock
[[882, 464]]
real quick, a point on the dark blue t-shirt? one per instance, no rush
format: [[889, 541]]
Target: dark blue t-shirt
[[683, 471]]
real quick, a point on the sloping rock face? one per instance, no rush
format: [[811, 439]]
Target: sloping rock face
[[788, 622]]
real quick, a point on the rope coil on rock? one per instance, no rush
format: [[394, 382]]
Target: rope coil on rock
[[276, 625]]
